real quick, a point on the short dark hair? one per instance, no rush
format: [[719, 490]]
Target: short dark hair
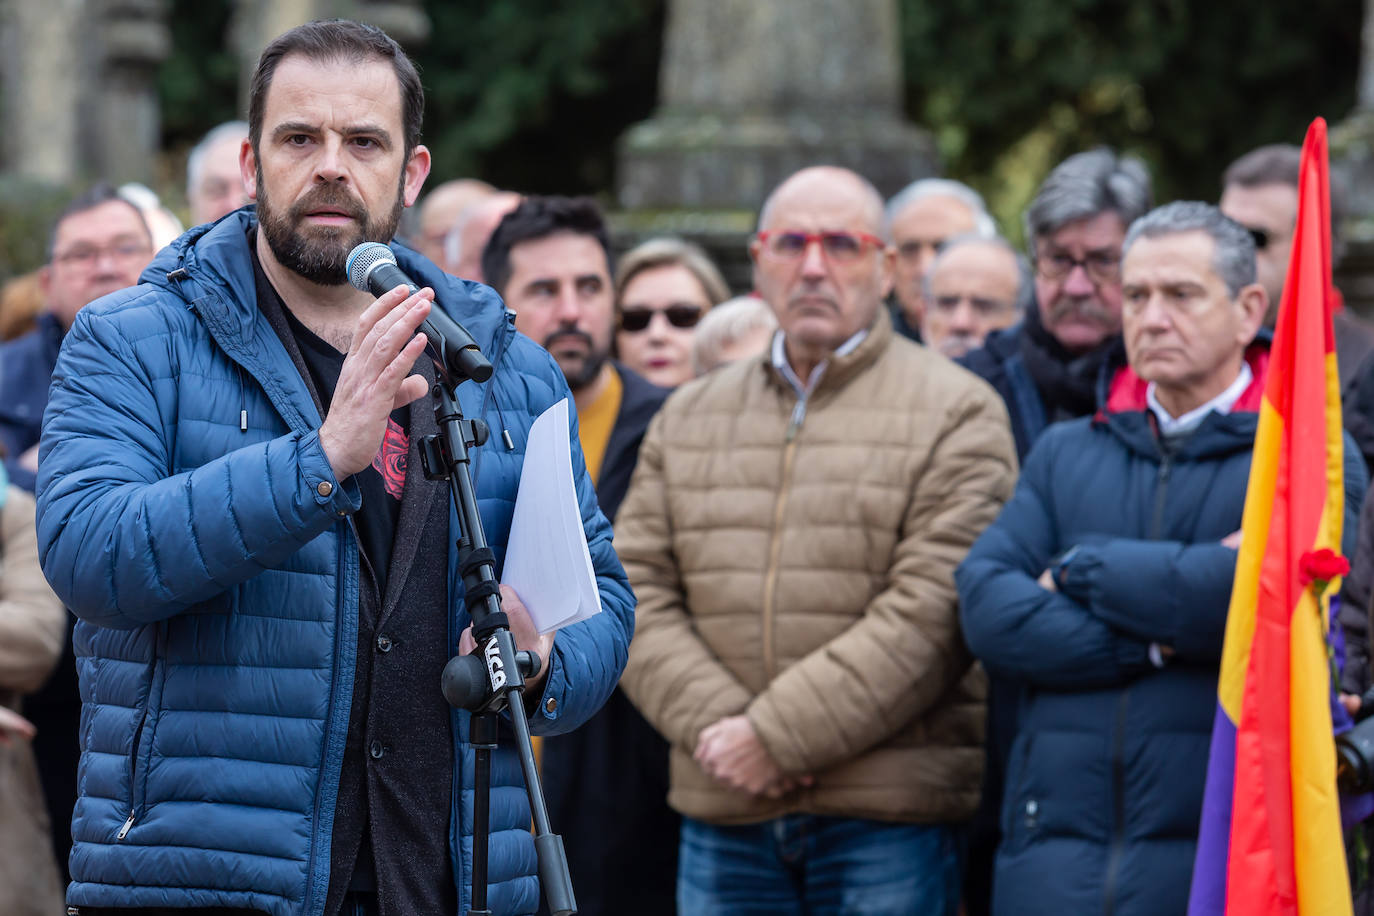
[[96, 195], [1277, 163], [339, 40], [1281, 163], [537, 218]]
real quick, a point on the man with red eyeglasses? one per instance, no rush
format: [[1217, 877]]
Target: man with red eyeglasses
[[792, 530]]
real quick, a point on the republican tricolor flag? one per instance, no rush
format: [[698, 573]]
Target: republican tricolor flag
[[1270, 840]]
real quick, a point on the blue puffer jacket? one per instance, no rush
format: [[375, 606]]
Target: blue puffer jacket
[[216, 579], [1104, 785]]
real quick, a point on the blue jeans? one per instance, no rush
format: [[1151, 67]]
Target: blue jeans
[[804, 865]]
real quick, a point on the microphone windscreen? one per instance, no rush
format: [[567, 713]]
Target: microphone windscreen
[[363, 259]]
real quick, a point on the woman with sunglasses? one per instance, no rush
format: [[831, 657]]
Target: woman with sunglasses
[[663, 289]]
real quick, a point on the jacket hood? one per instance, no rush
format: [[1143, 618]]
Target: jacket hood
[[210, 260]]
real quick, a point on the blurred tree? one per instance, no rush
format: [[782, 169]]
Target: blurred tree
[[1010, 87], [198, 82], [523, 93], [532, 95]]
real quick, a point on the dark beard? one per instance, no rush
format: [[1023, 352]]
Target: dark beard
[[591, 366], [320, 254]]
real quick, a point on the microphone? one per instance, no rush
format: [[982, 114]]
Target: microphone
[[372, 268]]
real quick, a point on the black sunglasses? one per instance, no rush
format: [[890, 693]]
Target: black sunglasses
[[679, 316], [1261, 237]]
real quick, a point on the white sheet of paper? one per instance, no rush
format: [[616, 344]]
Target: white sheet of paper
[[547, 560]]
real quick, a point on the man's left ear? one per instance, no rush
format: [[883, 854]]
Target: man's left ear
[[417, 170]]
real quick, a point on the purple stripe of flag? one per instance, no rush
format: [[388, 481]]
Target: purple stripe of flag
[[1208, 895]]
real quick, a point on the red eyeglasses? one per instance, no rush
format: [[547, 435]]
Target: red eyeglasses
[[788, 245]]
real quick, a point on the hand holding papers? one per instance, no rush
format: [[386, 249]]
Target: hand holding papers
[[547, 561]]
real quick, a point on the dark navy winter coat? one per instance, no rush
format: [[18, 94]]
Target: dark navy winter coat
[[1104, 786], [216, 579], [26, 365]]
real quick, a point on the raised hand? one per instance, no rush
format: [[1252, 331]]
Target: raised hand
[[375, 379]]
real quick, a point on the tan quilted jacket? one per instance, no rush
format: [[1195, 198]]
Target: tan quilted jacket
[[33, 625], [803, 573]]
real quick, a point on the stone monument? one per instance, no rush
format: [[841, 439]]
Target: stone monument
[[752, 90], [80, 90], [257, 22], [42, 84], [130, 40]]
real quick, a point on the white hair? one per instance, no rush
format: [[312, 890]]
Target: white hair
[[195, 162], [983, 225], [1025, 282]]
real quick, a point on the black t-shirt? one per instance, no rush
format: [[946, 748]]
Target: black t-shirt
[[381, 482]]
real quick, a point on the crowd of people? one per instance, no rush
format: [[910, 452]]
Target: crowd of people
[[914, 559]]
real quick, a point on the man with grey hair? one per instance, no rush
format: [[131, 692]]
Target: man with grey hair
[[917, 221], [975, 285], [791, 532], [1103, 586], [1046, 370], [1046, 366], [214, 186]]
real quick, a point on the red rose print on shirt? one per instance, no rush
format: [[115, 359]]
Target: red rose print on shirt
[[391, 458]]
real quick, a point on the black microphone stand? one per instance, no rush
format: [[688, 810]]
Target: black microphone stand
[[492, 678]]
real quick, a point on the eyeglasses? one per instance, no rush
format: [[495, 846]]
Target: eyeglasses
[[912, 249], [1261, 237], [86, 256], [680, 315], [981, 304], [837, 246], [1100, 266]]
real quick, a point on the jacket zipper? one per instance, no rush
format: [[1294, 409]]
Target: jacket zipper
[[1166, 465], [137, 783], [1118, 844], [770, 583], [133, 776]]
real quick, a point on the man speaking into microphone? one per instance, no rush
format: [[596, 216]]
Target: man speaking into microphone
[[230, 500]]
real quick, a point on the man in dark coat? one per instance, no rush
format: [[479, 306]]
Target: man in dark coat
[[1046, 368], [607, 782], [1105, 583]]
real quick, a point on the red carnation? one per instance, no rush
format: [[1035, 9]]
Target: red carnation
[[1322, 566]]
